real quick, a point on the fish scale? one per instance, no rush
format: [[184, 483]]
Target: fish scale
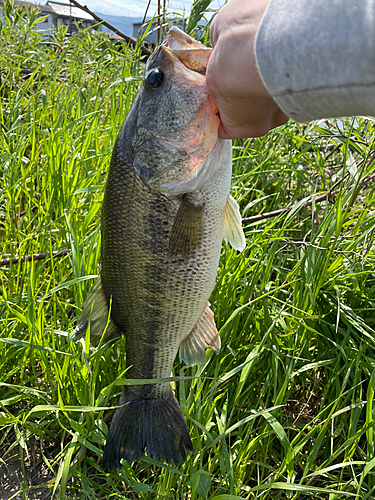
[[155, 284], [165, 212]]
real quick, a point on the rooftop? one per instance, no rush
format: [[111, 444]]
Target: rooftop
[[59, 8], [68, 10]]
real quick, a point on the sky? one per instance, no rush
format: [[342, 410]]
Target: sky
[[136, 8]]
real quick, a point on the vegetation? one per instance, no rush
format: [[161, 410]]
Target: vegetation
[[286, 409]]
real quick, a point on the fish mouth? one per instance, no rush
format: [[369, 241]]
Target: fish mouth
[[184, 56], [192, 54], [179, 40]]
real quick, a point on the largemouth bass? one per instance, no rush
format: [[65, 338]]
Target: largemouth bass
[[165, 212]]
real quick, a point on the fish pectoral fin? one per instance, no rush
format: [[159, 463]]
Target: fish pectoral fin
[[233, 232], [203, 336], [95, 312], [187, 230]]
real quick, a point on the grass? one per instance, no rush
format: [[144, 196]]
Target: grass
[[286, 409]]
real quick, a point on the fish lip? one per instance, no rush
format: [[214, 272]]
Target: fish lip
[[178, 40], [195, 61], [179, 46]]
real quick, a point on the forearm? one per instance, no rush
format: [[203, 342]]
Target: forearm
[[317, 57]]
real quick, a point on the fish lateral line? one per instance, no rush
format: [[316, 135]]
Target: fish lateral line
[[150, 381]]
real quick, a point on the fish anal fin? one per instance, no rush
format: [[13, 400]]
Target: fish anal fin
[[95, 312], [233, 232], [203, 336], [187, 230]]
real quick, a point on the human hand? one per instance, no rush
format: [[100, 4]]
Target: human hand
[[233, 81]]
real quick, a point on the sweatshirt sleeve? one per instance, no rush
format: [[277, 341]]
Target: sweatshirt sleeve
[[317, 57]]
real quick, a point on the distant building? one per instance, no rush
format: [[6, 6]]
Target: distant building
[[57, 13], [70, 16]]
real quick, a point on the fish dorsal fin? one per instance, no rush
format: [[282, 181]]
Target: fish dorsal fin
[[203, 336], [233, 232], [187, 230], [95, 311]]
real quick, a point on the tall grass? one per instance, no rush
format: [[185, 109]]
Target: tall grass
[[286, 409]]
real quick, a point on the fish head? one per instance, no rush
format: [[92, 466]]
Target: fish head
[[176, 123]]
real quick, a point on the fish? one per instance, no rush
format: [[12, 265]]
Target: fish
[[166, 209]]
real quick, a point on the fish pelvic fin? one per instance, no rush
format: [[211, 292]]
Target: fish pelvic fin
[[95, 312], [203, 336], [154, 425], [187, 230], [233, 232]]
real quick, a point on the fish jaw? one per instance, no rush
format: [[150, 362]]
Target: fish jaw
[[191, 53]]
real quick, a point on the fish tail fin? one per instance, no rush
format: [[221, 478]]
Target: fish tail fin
[[154, 425]]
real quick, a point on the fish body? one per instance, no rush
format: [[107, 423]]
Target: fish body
[[165, 212]]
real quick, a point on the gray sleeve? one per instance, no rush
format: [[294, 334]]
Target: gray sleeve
[[317, 57]]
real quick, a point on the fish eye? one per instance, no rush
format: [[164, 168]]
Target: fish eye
[[154, 79]]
